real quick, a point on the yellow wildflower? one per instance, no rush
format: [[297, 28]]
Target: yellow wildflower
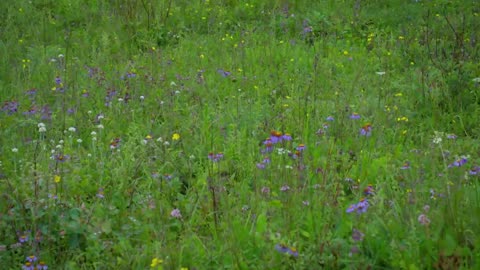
[[156, 262], [57, 178], [176, 136]]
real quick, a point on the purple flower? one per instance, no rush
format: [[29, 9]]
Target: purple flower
[[355, 116], [215, 157], [366, 130], [176, 213], [31, 259], [223, 72], [360, 207], [330, 118], [424, 220], [23, 238], [459, 162], [286, 137], [10, 107], [31, 92], [261, 166], [300, 147], [368, 190], [357, 235], [265, 190], [286, 250], [475, 170], [451, 136], [100, 193], [276, 137], [61, 157], [405, 166], [285, 188], [58, 80], [42, 266], [268, 146]]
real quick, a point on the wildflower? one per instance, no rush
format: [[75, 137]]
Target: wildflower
[[286, 137], [355, 116], [380, 73], [459, 162], [15, 150], [57, 178], [300, 147], [423, 219], [28, 266], [286, 250], [275, 137], [306, 203], [451, 136], [115, 143], [366, 130], [61, 157], [156, 262], [360, 207], [405, 165], [215, 157], [224, 73], [330, 118], [268, 146], [42, 266], [72, 129], [10, 107], [23, 238], [474, 171], [368, 190], [261, 166], [175, 137], [100, 193], [176, 213], [285, 188], [357, 235], [265, 190]]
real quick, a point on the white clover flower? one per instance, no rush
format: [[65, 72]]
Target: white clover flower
[[42, 129], [380, 73], [61, 142], [120, 99], [100, 116], [58, 146], [177, 92], [142, 97], [72, 129], [89, 155], [89, 112], [15, 150], [100, 126], [79, 141], [166, 143], [93, 133]]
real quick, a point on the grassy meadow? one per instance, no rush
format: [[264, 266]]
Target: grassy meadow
[[267, 134]]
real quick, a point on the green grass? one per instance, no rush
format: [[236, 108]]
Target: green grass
[[154, 106]]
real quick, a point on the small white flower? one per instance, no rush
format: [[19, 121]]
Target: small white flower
[[177, 92], [89, 155], [72, 129], [172, 83], [79, 141], [93, 133], [58, 146], [61, 142], [166, 143], [40, 125], [161, 102], [142, 97], [100, 126], [120, 99], [144, 142], [94, 138], [42, 129], [159, 139], [476, 79], [61, 56], [52, 151], [192, 157], [288, 167], [380, 73], [100, 116], [15, 150], [89, 112]]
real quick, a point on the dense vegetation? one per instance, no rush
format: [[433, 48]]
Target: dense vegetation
[[206, 134]]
